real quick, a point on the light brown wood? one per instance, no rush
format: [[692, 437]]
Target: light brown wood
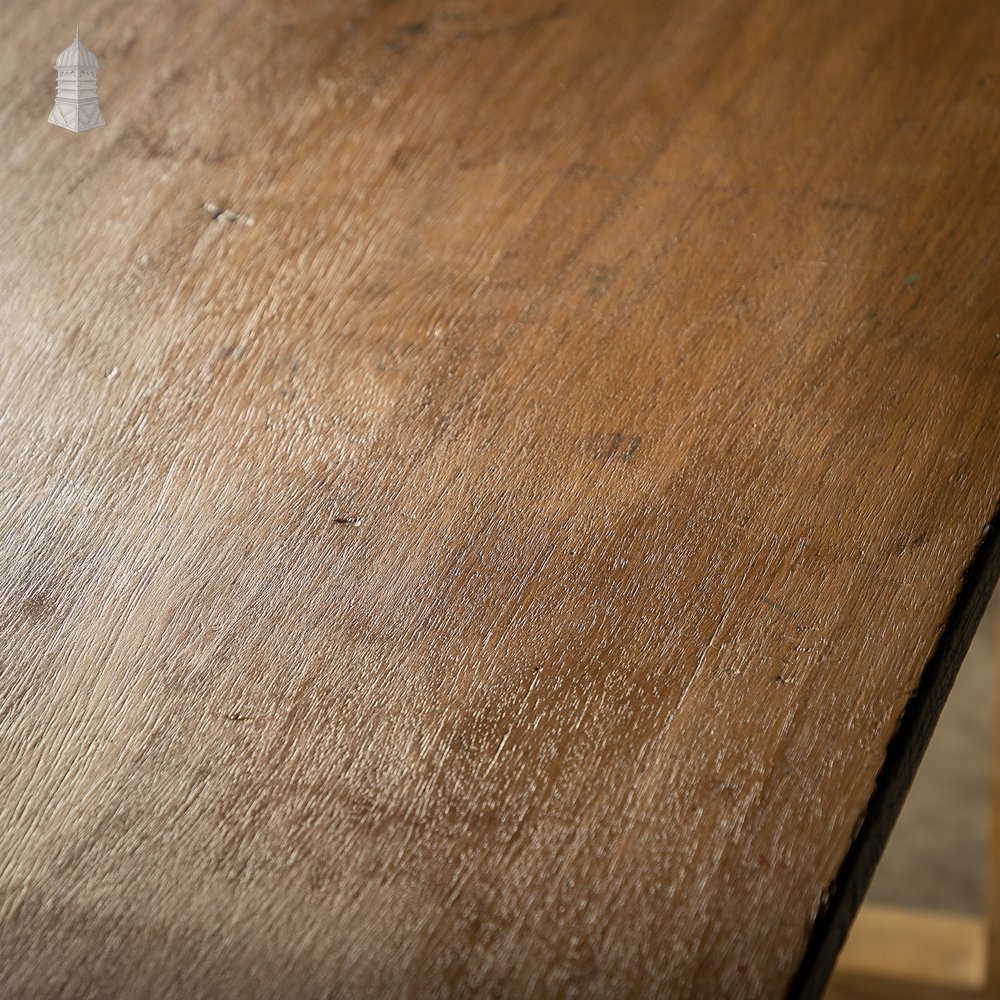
[[916, 947], [993, 862], [874, 987], [500, 568]]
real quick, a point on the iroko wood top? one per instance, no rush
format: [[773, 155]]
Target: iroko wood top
[[480, 483]]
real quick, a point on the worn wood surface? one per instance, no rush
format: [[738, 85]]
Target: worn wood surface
[[489, 548]]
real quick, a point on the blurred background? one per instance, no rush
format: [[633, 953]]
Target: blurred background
[[936, 856]]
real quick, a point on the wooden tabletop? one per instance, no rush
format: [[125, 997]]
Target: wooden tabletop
[[482, 483]]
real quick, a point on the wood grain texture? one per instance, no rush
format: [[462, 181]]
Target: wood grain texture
[[500, 568]]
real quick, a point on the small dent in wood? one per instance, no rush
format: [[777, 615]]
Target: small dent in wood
[[135, 142], [618, 447], [36, 606], [556, 13], [764, 599], [600, 280], [904, 543], [477, 27], [400, 37], [227, 214], [403, 157]]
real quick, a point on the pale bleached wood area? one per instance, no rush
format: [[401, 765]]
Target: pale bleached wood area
[[480, 483]]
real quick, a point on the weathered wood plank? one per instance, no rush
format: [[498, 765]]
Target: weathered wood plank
[[502, 566]]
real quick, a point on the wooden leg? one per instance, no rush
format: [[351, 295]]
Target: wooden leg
[[993, 862], [898, 954], [895, 953]]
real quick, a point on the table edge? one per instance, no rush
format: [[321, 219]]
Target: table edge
[[903, 755]]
